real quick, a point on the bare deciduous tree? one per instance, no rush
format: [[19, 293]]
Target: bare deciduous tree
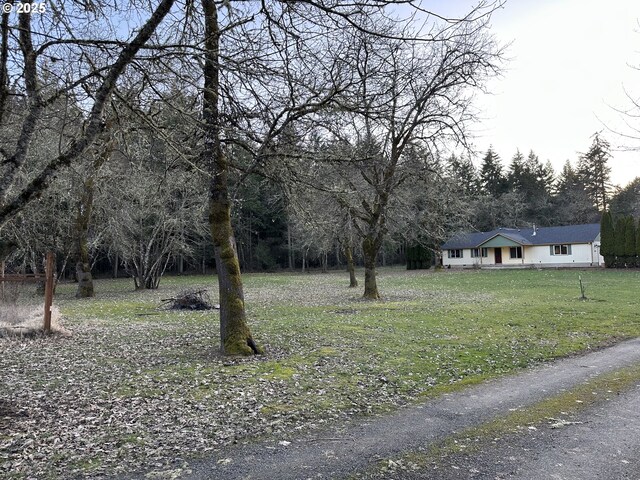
[[266, 68], [45, 60], [412, 97]]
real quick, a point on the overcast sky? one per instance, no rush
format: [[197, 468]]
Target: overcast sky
[[569, 66]]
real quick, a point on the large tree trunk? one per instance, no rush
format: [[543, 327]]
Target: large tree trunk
[[83, 216], [351, 268], [85, 280], [370, 248], [83, 219], [235, 336], [289, 246], [116, 261]]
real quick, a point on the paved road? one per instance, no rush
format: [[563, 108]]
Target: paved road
[[607, 447]]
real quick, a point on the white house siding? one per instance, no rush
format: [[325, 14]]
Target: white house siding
[[490, 259], [507, 261], [582, 255], [597, 258], [465, 261]]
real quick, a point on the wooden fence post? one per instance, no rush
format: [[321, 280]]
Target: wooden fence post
[[48, 292]]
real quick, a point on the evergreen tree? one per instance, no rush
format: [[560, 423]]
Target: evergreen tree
[[630, 242], [547, 176], [539, 180], [464, 174], [619, 241], [595, 173], [516, 173], [260, 223], [607, 238], [638, 244], [419, 257], [540, 177], [571, 203], [492, 180], [567, 180], [532, 181], [627, 201]]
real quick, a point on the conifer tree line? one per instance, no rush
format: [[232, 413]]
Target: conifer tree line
[[527, 191], [620, 240]]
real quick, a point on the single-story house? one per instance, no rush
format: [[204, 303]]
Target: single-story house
[[568, 246]]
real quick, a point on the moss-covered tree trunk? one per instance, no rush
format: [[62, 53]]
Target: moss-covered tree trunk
[[235, 336], [370, 248], [351, 268], [84, 212], [373, 228], [373, 235], [81, 227]]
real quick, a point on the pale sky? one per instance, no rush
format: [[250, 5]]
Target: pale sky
[[569, 66]]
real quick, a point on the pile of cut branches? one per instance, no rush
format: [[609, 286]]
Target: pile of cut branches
[[189, 300]]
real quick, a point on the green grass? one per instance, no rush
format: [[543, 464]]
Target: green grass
[[330, 354], [430, 330]]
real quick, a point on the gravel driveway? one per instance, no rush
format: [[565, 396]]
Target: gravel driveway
[[604, 444]]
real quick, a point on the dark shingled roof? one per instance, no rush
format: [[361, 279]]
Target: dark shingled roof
[[524, 236]]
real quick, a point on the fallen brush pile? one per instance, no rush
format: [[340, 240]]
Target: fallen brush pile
[[190, 300]]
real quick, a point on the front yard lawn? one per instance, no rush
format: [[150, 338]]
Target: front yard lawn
[[138, 387]]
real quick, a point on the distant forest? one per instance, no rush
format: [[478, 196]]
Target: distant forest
[[147, 216], [270, 135]]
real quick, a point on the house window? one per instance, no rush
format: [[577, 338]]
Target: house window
[[560, 249], [515, 252], [477, 252], [455, 253]]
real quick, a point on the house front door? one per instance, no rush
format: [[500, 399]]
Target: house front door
[[498, 255]]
